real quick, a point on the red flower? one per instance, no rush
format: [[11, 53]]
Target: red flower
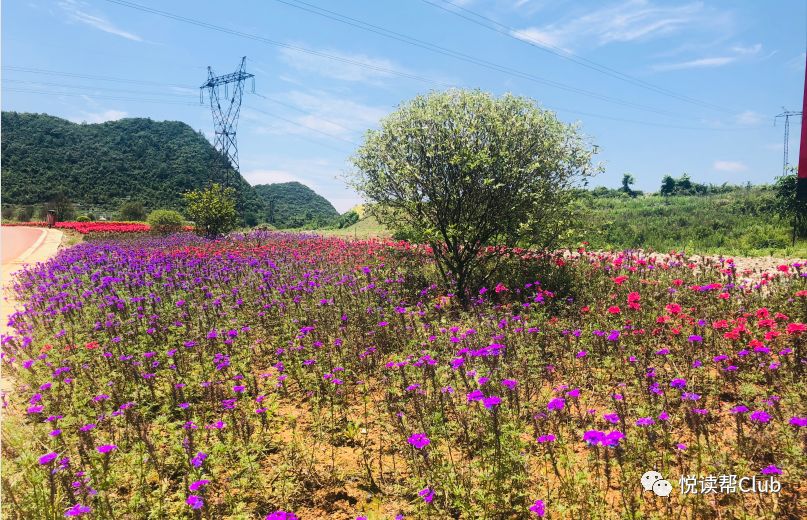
[[619, 280], [614, 309], [796, 328], [673, 308], [784, 268]]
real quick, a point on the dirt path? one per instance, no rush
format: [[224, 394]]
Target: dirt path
[[21, 246]]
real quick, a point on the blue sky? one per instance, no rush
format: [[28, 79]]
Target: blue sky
[[724, 68]]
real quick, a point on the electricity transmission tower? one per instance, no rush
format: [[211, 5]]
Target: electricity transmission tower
[[225, 118], [787, 114]]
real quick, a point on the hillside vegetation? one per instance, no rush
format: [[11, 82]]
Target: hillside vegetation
[[104, 165], [738, 222], [292, 205]]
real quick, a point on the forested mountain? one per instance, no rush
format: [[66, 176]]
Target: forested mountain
[[103, 165], [291, 204]]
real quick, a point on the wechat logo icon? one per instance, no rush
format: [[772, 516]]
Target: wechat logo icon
[[653, 481]]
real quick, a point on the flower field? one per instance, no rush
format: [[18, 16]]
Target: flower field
[[279, 376], [93, 228]]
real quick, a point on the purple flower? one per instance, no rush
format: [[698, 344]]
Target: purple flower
[[678, 383], [77, 510], [196, 486], [771, 470], [491, 401], [539, 508], [426, 494], [739, 409], [546, 438], [695, 338], [48, 458], [509, 383], [476, 395], [681, 446], [106, 448], [556, 404], [419, 440], [195, 501], [611, 418], [87, 427], [281, 515], [760, 416], [645, 421], [198, 459], [798, 421]]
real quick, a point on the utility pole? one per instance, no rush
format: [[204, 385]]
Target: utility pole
[[225, 119], [787, 114]]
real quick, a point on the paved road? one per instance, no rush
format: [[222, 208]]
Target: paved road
[[14, 241]]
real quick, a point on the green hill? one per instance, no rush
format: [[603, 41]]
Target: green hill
[[103, 165], [291, 205]]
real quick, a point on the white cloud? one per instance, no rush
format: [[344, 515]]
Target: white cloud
[[735, 53], [628, 21], [370, 68], [699, 63], [314, 113], [77, 13], [750, 118], [729, 166], [99, 117]]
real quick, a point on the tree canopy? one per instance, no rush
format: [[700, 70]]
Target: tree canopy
[[463, 170], [291, 204]]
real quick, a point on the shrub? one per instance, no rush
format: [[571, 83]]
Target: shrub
[[133, 211], [25, 213], [83, 218], [164, 221], [212, 210]]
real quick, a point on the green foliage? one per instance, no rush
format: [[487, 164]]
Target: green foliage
[[59, 202], [347, 219], [738, 222], [82, 218], [464, 170], [132, 211], [792, 212], [294, 205], [627, 180], [212, 210], [25, 213], [102, 165], [165, 221]]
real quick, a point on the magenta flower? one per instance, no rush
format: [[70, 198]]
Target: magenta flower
[[77, 510], [771, 470], [426, 494], [476, 395], [106, 448], [798, 421], [195, 501], [48, 458], [611, 418], [759, 416], [199, 484], [681, 446], [556, 404], [645, 421], [509, 383], [281, 515], [491, 401], [539, 508], [546, 438], [419, 440]]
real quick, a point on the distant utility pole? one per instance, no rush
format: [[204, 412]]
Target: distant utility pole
[[787, 114], [225, 119]]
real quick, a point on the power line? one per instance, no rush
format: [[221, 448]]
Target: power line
[[508, 31], [195, 105], [360, 24], [94, 77], [275, 43], [274, 100]]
